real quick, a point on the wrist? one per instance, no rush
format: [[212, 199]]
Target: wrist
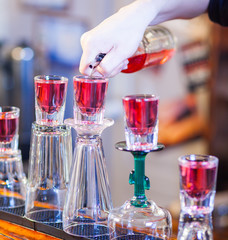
[[142, 12], [149, 9]]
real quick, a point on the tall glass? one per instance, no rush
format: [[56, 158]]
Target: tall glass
[[48, 173], [141, 121], [9, 125], [50, 91], [198, 174], [89, 96]]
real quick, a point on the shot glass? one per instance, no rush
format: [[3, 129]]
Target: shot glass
[[50, 98], [141, 121], [9, 125], [198, 174], [89, 97]]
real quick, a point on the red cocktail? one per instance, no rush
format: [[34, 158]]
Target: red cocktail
[[198, 175], [9, 125], [140, 61], [198, 179], [50, 99], [141, 114], [89, 96]]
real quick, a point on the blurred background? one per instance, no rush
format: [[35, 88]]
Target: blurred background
[[43, 37]]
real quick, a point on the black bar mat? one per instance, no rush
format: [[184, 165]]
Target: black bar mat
[[15, 215]]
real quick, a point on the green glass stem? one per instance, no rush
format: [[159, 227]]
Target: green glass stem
[[140, 181]]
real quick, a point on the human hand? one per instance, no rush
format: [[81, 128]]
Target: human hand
[[118, 37]]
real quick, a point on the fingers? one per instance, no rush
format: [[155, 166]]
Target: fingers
[[87, 62], [112, 64], [115, 71]]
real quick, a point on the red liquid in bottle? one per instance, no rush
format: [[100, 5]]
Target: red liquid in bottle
[[50, 96], [8, 128], [140, 113], [199, 180], [144, 60], [89, 95]]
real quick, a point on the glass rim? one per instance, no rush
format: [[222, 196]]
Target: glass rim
[[86, 78], [10, 154], [9, 110], [193, 158], [145, 97], [50, 79]]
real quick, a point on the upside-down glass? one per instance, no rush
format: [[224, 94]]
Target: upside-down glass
[[48, 173], [89, 96], [139, 217], [198, 174], [88, 198], [12, 180], [50, 98], [141, 121], [9, 125]]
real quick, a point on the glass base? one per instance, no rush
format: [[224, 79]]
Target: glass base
[[141, 142], [137, 237], [11, 202], [151, 222], [92, 129], [92, 231], [87, 224], [45, 215]]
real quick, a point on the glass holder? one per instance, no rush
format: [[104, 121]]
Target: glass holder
[[88, 200], [139, 217]]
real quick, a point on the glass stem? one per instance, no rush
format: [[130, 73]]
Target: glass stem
[[137, 177]]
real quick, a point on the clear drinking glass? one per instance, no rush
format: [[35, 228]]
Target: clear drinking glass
[[89, 95], [50, 98], [141, 121], [9, 126], [12, 180], [48, 173], [198, 174], [88, 198]]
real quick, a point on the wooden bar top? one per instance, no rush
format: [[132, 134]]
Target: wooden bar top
[[12, 231]]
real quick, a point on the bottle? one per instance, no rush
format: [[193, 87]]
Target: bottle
[[156, 47]]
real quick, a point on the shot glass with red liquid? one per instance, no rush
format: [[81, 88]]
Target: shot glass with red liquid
[[9, 125], [89, 98], [141, 121], [198, 174], [50, 98]]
